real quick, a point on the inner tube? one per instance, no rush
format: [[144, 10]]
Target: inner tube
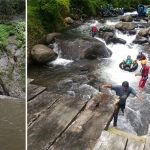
[[126, 68]]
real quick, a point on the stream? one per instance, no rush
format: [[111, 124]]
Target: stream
[[85, 77]]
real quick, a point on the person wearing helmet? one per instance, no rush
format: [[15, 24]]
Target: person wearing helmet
[[140, 56], [144, 75], [94, 30], [127, 62]]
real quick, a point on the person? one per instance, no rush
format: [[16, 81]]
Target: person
[[102, 10], [144, 75], [123, 91], [94, 30], [128, 62], [140, 56]]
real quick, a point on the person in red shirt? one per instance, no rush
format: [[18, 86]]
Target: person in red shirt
[[141, 56], [144, 75], [94, 30]]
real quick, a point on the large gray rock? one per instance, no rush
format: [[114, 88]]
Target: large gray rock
[[42, 54], [118, 40], [125, 26], [106, 36], [127, 18], [140, 40], [83, 49], [51, 36]]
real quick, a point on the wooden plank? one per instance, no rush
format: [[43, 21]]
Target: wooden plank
[[29, 80], [134, 145], [147, 145], [39, 104], [34, 90], [87, 128], [51, 124], [110, 141]]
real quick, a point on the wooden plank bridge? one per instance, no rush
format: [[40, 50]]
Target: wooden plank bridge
[[64, 122]]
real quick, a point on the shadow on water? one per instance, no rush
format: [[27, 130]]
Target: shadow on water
[[85, 77]]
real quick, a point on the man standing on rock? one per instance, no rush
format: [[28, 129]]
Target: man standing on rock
[[123, 91]]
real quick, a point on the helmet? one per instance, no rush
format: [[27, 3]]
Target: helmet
[[140, 52], [143, 62]]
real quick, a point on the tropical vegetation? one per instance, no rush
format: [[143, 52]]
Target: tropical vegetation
[[48, 15]]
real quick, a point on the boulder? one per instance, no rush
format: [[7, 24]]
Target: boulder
[[68, 20], [127, 18], [140, 40], [143, 32], [51, 36], [107, 28], [118, 40], [106, 36], [83, 49], [42, 54], [125, 26], [132, 32]]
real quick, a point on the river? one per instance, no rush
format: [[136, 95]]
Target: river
[[59, 76], [12, 124]]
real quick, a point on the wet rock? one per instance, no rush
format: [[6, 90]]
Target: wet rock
[[133, 15], [118, 40], [125, 26], [140, 40], [83, 49], [50, 37], [127, 18], [143, 32], [132, 32], [106, 36], [141, 26], [107, 28], [42, 54]]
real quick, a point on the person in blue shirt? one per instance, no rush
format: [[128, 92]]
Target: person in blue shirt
[[127, 62], [123, 91]]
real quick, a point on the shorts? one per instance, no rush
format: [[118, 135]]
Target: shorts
[[142, 82], [122, 106]]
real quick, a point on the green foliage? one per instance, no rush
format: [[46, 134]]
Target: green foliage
[[149, 14], [20, 31], [8, 30], [19, 43], [5, 31], [48, 15]]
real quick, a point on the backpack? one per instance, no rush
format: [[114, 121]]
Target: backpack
[[94, 29]]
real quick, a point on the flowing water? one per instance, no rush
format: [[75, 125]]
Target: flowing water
[[12, 124], [65, 76]]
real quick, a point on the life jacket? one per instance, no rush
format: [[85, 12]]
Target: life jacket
[[128, 61], [94, 29], [142, 57], [145, 71]]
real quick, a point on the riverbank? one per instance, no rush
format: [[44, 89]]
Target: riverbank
[[12, 57]]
